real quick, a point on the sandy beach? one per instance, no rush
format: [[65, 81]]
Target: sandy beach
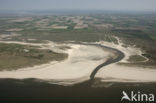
[[81, 62], [120, 73]]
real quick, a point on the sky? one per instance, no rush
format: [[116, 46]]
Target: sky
[[132, 5]]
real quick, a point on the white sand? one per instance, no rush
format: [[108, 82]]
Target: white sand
[[77, 68], [120, 73], [81, 62], [128, 51]]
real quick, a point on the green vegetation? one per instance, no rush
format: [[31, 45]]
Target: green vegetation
[[136, 58], [151, 55], [133, 29], [15, 56], [61, 35]]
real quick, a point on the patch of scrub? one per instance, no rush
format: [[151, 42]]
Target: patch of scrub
[[16, 56], [136, 58]]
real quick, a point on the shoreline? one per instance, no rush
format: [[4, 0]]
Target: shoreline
[[75, 69], [103, 70]]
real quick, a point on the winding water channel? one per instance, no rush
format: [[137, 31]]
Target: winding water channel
[[32, 91], [109, 61], [119, 57]]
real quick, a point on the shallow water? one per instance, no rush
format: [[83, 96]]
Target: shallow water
[[33, 91]]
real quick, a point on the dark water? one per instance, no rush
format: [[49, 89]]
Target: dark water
[[32, 91], [120, 56]]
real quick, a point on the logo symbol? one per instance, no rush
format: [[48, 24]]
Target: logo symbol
[[137, 96], [125, 96]]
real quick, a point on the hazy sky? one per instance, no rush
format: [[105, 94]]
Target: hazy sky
[[78, 5]]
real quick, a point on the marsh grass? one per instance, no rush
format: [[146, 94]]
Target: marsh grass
[[15, 56]]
